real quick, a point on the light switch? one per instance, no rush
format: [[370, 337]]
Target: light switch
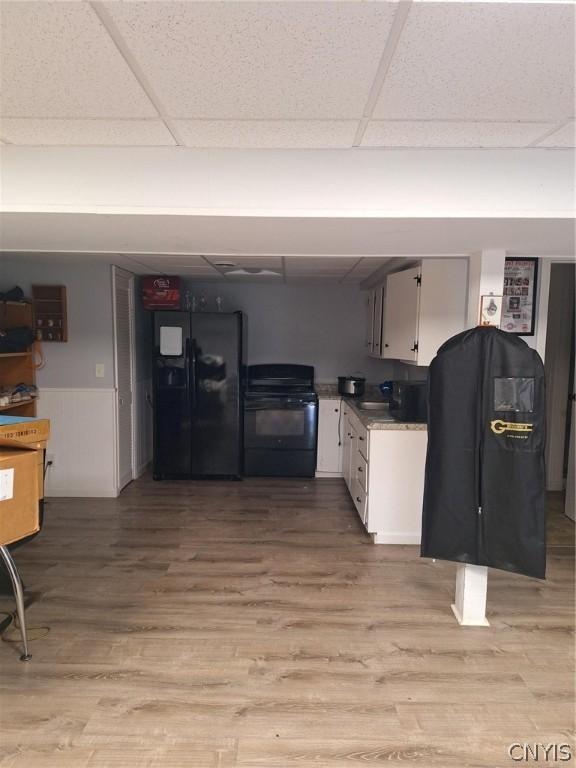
[[100, 370]]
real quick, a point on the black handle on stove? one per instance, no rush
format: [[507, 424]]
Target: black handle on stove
[[281, 405]]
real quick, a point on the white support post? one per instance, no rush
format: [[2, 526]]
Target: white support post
[[485, 276], [469, 605]]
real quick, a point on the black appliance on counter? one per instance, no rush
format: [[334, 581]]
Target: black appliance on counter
[[351, 386], [197, 394], [409, 401], [280, 421]]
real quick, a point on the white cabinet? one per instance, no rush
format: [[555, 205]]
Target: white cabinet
[[330, 434], [377, 321], [369, 342], [384, 472], [374, 321], [401, 315], [424, 306]]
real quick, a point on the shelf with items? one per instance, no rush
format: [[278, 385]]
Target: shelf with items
[[22, 408], [17, 370], [50, 312]]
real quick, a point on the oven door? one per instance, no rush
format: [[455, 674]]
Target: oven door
[[280, 423]]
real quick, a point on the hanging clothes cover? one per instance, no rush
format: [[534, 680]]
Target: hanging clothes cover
[[484, 493]]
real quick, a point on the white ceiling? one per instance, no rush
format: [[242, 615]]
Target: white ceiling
[[292, 269], [288, 74]]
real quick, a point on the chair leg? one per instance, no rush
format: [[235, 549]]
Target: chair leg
[[19, 595]]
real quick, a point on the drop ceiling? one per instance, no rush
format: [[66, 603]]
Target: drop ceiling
[[285, 74]]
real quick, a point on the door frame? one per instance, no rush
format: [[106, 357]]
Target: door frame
[[116, 272], [541, 330]]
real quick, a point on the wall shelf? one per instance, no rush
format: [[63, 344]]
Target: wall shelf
[[50, 312], [17, 367]]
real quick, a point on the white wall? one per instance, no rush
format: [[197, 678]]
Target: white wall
[[80, 406], [90, 327], [316, 324]]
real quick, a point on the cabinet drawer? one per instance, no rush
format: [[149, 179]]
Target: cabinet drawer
[[360, 500], [362, 437], [362, 471]]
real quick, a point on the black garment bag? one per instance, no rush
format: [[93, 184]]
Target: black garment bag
[[484, 493]]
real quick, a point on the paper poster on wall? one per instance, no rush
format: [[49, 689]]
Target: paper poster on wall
[[170, 340], [519, 308]]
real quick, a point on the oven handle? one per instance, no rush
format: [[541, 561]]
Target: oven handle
[[275, 406]]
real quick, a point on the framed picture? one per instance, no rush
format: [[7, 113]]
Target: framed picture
[[519, 299], [491, 310]]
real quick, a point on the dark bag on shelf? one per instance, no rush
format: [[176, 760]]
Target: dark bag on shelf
[[16, 339], [14, 294]]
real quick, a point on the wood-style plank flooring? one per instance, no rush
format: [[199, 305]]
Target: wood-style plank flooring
[[255, 624]]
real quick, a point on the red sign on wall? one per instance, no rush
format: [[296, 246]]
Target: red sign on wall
[[161, 292]]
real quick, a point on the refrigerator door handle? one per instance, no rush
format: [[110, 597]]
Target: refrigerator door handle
[[187, 366], [193, 385]]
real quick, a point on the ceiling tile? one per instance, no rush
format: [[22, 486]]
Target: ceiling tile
[[74, 132], [413, 133], [472, 61], [257, 60], [320, 266], [58, 61], [268, 134], [563, 137]]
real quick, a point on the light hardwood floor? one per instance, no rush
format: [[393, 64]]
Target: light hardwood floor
[[254, 624]]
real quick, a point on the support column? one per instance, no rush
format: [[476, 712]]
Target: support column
[[469, 605], [485, 277]]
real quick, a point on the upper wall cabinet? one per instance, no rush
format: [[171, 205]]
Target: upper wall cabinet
[[417, 310], [374, 321], [424, 307]]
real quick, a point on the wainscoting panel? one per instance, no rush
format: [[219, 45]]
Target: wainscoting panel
[[82, 444]]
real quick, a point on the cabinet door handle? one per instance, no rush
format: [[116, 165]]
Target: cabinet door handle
[[359, 469], [361, 438], [386, 345], [358, 499]]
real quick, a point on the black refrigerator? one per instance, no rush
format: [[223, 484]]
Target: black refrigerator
[[197, 373]]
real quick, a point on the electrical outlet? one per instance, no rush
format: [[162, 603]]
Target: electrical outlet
[[99, 370]]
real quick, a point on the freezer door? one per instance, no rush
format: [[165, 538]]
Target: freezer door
[[216, 351], [172, 407]]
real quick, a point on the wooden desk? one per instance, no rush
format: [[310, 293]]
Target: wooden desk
[[22, 443]]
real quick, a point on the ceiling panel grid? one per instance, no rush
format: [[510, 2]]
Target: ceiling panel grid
[[284, 74]]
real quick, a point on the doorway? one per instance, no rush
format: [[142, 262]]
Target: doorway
[[559, 367]]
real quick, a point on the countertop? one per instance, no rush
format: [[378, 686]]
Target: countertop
[[369, 419], [381, 420]]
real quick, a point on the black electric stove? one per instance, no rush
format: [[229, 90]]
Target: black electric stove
[[280, 421]]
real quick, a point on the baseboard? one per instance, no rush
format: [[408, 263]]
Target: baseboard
[[328, 474], [82, 493], [381, 537], [142, 469]]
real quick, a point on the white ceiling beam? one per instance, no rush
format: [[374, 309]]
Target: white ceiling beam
[[400, 18], [551, 131], [107, 22]]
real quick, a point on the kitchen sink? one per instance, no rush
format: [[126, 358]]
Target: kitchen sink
[[371, 405]]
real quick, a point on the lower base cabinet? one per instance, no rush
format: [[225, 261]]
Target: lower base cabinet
[[384, 472], [330, 437]]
